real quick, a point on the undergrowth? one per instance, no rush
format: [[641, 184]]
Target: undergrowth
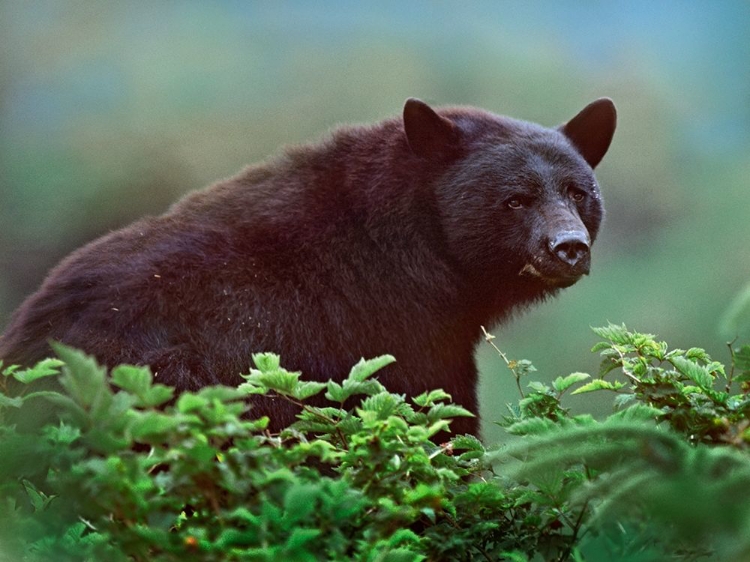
[[110, 466]]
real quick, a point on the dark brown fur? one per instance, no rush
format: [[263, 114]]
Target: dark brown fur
[[403, 237]]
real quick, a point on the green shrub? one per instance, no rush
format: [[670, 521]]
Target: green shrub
[[116, 469]]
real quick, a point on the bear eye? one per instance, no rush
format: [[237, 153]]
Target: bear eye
[[577, 195], [514, 203]]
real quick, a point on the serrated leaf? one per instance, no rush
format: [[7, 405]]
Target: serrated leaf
[[611, 361], [266, 362], [38, 500], [539, 387], [522, 367], [139, 382], [401, 555], [697, 353], [251, 388], [532, 426], [279, 380], [297, 541], [340, 393], [152, 425], [636, 412], [368, 367], [335, 392], [45, 368], [380, 406], [530, 399], [468, 443], [10, 402], [514, 556], [602, 345], [429, 398], [83, 377], [63, 433], [79, 415], [234, 538], [623, 399], [300, 501], [561, 384], [598, 384], [306, 389], [131, 378], [614, 333], [442, 411], [696, 373], [221, 393], [189, 402], [437, 427], [9, 370]]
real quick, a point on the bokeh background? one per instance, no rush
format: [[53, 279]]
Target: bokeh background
[[112, 110]]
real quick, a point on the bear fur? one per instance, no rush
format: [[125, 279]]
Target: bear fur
[[403, 237]]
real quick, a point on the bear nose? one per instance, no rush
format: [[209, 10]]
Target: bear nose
[[571, 247]]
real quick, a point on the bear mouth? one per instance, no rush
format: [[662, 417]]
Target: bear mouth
[[557, 280]]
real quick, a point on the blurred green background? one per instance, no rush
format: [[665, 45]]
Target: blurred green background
[[112, 110]]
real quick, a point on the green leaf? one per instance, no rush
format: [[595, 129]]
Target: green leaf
[[342, 392], [532, 426], [435, 428], [561, 384], [696, 353], [637, 412], [235, 538], [514, 556], [622, 400], [400, 555], [742, 358], [83, 377], [38, 499], [280, 380], [614, 333], [601, 346], [599, 384], [9, 370], [300, 501], [305, 390], [468, 443], [442, 411], [63, 433], [45, 368], [696, 373], [266, 362], [79, 415], [153, 426], [139, 381], [8, 402], [299, 538], [539, 387], [429, 398], [368, 367], [189, 402], [522, 368]]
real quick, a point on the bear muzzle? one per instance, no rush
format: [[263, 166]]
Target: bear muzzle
[[572, 247], [567, 259]]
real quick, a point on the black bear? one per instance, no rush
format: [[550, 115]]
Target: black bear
[[403, 237]]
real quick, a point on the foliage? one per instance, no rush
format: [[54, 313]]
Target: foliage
[[119, 469]]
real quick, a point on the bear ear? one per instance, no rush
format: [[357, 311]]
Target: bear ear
[[429, 135], [592, 129]]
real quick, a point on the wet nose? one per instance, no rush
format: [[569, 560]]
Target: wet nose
[[571, 247]]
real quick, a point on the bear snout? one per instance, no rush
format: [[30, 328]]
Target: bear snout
[[572, 248]]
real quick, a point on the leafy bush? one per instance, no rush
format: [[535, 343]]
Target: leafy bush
[[116, 468]]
